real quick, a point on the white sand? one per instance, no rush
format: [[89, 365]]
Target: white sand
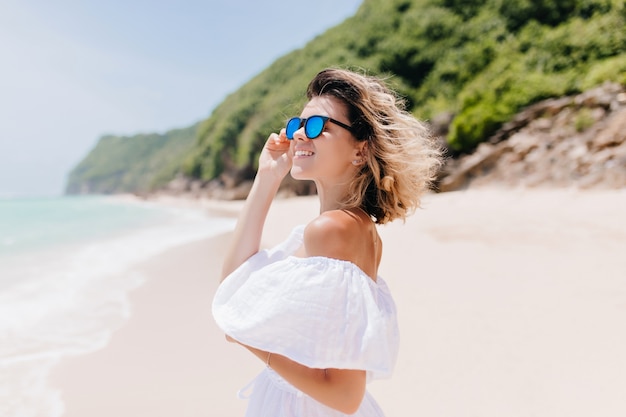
[[511, 303]]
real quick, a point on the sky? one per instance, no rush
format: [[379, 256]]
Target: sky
[[74, 70]]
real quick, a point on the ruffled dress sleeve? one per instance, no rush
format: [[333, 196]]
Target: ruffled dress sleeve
[[320, 312]]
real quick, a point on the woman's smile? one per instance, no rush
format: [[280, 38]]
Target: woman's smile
[[302, 153]]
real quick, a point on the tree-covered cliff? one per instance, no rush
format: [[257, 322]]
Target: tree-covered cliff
[[468, 66], [123, 164]]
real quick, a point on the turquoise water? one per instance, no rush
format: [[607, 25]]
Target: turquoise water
[[38, 223], [66, 268]]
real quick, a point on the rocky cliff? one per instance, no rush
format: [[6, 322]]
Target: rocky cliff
[[577, 141]]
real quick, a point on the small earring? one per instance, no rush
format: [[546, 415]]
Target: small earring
[[356, 162]]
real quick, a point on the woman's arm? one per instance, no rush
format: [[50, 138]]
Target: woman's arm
[[341, 389], [274, 164]]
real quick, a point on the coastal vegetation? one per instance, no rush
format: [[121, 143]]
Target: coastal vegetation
[[467, 66], [126, 164]]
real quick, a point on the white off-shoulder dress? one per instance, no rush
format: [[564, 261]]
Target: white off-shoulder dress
[[320, 312]]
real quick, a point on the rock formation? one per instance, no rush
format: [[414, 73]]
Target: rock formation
[[577, 141]]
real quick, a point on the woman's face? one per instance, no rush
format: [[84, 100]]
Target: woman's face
[[327, 158]]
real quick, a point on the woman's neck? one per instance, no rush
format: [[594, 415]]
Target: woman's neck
[[331, 197]]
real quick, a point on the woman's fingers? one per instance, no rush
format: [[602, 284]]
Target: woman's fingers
[[276, 155], [277, 142]]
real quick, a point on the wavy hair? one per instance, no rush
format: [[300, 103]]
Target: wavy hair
[[402, 157]]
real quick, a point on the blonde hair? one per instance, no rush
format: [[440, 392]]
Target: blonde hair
[[402, 157]]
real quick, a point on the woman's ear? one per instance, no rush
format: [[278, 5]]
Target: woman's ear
[[360, 154]]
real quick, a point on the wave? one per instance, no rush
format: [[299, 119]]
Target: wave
[[68, 300]]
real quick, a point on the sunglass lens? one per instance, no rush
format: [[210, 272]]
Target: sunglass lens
[[314, 126], [292, 125]]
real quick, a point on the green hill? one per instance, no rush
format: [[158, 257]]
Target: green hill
[[140, 163], [472, 64]]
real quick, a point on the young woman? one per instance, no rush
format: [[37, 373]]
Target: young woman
[[313, 308]]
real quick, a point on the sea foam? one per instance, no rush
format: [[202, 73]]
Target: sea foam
[[68, 300]]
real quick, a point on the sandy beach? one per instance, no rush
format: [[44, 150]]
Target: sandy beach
[[511, 303]]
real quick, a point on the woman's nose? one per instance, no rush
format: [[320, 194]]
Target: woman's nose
[[300, 135]]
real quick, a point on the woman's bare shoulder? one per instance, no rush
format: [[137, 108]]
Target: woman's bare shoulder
[[333, 234]]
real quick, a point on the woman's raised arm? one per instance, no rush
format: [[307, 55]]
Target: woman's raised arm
[[274, 164]]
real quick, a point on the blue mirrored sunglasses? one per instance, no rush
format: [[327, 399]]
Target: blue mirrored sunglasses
[[313, 126]]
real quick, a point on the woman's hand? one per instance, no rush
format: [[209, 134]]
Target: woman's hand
[[276, 156]]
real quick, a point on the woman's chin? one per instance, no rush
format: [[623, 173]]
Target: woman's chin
[[298, 173]]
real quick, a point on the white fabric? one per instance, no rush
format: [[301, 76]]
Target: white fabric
[[320, 312]]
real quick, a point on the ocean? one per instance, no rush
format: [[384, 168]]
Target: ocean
[[65, 274]]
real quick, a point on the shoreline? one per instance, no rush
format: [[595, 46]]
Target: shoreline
[[508, 303], [164, 359]]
